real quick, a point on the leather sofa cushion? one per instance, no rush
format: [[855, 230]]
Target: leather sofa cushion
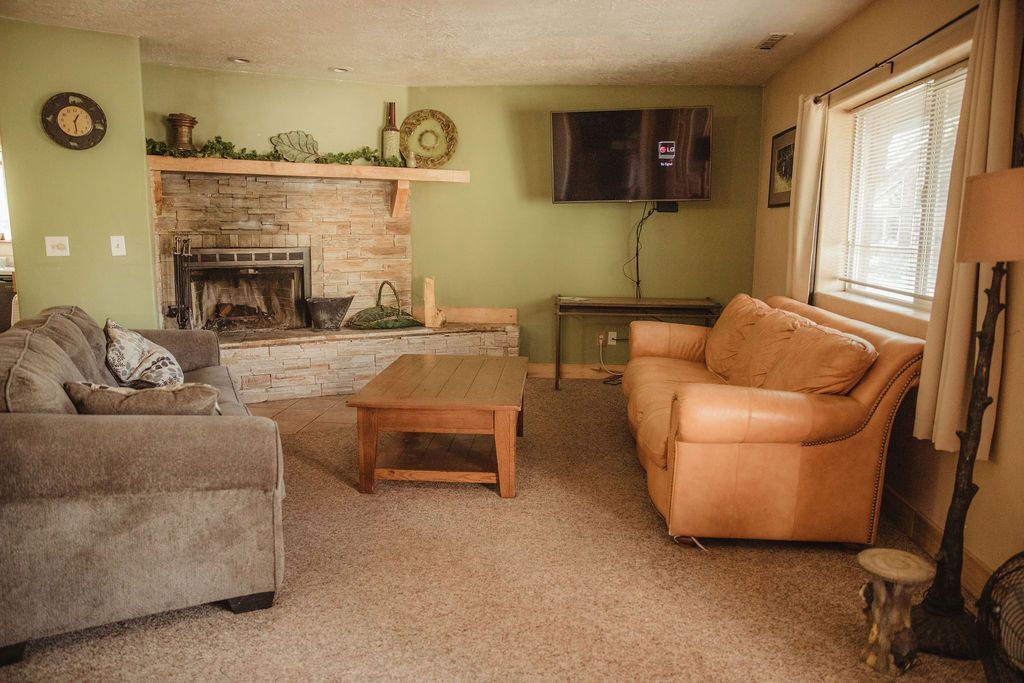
[[652, 437], [648, 399], [762, 344], [648, 369], [93, 335], [650, 412], [650, 404], [69, 337], [218, 376], [820, 360], [33, 371], [730, 331]]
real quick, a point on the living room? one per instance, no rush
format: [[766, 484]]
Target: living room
[[578, 569]]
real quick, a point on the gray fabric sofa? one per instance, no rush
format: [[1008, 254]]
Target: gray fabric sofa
[[104, 518]]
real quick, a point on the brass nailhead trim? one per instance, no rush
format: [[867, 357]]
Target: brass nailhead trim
[[911, 382], [874, 407]]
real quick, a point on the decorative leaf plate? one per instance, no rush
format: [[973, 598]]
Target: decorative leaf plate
[[298, 146], [430, 135]]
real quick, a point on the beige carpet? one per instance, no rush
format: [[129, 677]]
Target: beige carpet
[[573, 579]]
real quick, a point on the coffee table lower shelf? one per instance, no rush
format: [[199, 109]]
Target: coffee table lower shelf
[[456, 458]]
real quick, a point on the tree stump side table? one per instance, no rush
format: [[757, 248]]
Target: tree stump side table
[[892, 647]]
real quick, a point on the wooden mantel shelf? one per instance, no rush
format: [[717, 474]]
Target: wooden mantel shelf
[[400, 176]]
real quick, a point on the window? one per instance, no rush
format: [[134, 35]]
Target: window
[[902, 154], [5, 223]]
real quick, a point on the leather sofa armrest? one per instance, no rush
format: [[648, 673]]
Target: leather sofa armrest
[[193, 349], [71, 456], [667, 340], [723, 413]]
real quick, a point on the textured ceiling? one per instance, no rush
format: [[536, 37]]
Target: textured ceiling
[[464, 42]]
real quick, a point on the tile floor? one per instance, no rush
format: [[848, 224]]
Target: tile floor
[[321, 413]]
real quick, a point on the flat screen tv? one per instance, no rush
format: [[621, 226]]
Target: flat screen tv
[[631, 155]]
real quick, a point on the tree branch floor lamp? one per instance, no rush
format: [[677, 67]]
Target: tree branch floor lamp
[[991, 231]]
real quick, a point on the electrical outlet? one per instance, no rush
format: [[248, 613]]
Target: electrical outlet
[[613, 338], [117, 246], [601, 339], [57, 246]]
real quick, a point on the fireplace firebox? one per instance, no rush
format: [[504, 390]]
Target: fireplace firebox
[[245, 288]]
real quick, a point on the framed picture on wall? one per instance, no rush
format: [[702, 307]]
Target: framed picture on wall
[[780, 175]]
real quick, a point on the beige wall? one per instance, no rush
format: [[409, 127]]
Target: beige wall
[[919, 475]]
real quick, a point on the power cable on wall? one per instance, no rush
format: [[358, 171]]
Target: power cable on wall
[[635, 259]]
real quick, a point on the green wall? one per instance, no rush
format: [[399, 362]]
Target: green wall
[[499, 241], [87, 195], [248, 108]]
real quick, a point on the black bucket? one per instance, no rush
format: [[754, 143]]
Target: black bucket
[[327, 313]]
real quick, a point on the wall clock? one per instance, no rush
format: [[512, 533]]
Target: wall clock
[[74, 121]]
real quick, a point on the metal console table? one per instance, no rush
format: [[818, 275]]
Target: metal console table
[[704, 311]]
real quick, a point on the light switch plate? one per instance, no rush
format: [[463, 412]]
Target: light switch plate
[[117, 246], [57, 246]]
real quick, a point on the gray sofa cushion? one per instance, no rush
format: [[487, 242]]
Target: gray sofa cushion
[[218, 376], [93, 334], [176, 399], [33, 371], [63, 331]]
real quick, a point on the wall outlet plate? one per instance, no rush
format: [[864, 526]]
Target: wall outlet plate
[[613, 338], [57, 246], [117, 246]]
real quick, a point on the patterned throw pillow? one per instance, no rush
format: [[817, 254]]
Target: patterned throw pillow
[[177, 399], [138, 362]]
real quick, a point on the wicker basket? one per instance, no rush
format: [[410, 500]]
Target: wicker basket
[[382, 317]]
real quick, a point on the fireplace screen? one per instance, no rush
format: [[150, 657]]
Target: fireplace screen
[[249, 289]]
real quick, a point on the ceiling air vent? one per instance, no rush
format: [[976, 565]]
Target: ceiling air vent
[[771, 41]]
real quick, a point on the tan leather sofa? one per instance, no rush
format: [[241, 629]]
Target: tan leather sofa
[[774, 424]]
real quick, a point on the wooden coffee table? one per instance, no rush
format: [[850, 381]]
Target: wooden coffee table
[[443, 395]]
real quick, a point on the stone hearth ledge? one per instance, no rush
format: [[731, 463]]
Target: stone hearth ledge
[[286, 364]]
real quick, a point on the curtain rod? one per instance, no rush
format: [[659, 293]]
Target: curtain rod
[[889, 61]]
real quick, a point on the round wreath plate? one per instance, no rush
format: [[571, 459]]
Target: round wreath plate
[[430, 135], [74, 120]]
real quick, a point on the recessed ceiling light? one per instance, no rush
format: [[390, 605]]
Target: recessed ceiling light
[[340, 69], [238, 60]]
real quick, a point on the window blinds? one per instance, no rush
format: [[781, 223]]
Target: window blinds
[[902, 154]]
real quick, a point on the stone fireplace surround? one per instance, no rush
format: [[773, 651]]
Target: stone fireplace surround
[[354, 243]]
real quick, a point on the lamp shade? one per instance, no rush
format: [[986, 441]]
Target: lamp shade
[[992, 218]]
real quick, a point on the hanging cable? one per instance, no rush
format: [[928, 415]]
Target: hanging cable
[[635, 259], [613, 377], [600, 355]]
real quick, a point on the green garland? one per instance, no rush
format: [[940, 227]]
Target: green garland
[[218, 148]]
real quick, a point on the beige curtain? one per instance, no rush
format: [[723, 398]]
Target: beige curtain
[[984, 143], [805, 199]]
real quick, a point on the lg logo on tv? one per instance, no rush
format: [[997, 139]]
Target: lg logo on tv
[[667, 152]]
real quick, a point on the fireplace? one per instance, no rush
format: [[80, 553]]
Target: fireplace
[[345, 225], [245, 288]]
